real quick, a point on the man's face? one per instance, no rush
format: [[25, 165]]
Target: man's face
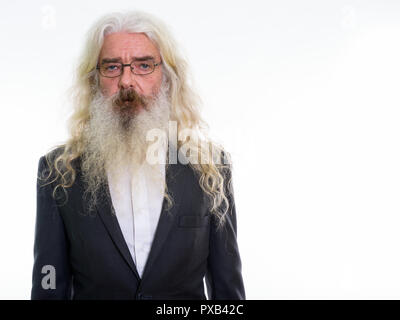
[[125, 48]]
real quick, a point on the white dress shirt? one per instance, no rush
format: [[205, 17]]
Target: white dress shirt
[[137, 199]]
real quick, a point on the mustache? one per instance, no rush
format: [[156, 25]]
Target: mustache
[[128, 95]]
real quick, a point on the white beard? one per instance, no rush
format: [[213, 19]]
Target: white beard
[[114, 145]]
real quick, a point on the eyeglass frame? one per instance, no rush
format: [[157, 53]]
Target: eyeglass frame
[[123, 65]]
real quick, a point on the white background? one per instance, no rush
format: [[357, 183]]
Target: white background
[[304, 94]]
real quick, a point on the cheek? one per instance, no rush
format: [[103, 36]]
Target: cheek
[[108, 87], [156, 84]]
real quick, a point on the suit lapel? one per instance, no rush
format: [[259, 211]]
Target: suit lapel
[[105, 210], [175, 179], [175, 183]]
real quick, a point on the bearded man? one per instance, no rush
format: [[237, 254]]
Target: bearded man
[[111, 222]]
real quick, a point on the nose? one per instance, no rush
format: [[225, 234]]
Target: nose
[[127, 79]]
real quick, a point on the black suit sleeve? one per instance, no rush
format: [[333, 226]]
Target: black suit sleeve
[[224, 275], [51, 278]]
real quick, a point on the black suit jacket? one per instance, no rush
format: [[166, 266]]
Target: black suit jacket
[[92, 261]]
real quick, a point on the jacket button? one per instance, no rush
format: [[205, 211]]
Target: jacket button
[[141, 296]]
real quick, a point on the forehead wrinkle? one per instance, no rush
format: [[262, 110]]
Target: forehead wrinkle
[[127, 46], [118, 59]]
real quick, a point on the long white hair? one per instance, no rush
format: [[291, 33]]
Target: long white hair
[[214, 176]]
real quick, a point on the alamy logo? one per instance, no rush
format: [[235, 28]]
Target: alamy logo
[[49, 280]]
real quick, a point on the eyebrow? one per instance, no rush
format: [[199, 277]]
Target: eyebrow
[[143, 58]]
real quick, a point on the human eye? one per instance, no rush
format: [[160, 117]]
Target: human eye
[[111, 68], [143, 67]]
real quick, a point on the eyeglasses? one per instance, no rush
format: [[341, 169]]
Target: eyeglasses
[[115, 69]]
